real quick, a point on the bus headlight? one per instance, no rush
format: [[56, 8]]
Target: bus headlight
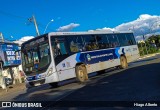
[[50, 72]]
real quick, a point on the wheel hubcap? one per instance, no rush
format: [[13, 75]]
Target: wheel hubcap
[[123, 62], [81, 74]]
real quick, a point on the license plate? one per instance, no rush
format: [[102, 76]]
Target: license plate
[[37, 84], [38, 76]]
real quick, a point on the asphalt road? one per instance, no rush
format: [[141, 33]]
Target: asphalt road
[[139, 82]]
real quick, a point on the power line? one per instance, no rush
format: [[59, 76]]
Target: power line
[[21, 17], [11, 15]]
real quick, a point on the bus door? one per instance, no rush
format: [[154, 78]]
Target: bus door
[[59, 49]]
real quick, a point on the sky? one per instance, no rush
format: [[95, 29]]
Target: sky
[[140, 16]]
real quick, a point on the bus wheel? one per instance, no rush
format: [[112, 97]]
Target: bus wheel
[[123, 62], [81, 73], [54, 85]]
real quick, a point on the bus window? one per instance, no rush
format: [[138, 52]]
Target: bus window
[[23, 59], [35, 59], [113, 41], [75, 43], [130, 38], [102, 41], [44, 55], [90, 42], [122, 39], [57, 47], [62, 48]]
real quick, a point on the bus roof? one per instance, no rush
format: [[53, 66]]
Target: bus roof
[[76, 33], [87, 33]]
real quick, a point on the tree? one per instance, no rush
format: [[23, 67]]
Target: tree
[[154, 39]]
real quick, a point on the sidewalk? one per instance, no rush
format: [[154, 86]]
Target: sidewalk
[[149, 55], [12, 88]]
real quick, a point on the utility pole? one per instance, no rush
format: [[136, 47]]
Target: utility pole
[[33, 19], [145, 44], [36, 26]]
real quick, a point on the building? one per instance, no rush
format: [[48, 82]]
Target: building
[[10, 59]]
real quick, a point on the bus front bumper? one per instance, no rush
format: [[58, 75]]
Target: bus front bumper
[[35, 83]]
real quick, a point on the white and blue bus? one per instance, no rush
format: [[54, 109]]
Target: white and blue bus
[[58, 56]]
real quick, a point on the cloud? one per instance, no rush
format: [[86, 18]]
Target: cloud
[[23, 39], [68, 27], [145, 24], [106, 29]]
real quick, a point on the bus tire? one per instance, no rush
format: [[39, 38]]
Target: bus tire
[[81, 73], [123, 62], [54, 85]]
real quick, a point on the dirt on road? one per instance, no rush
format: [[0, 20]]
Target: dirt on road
[[12, 88]]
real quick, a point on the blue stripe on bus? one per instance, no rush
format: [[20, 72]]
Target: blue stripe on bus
[[78, 56], [123, 51], [96, 56], [116, 52]]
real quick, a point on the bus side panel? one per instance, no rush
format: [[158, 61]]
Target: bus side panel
[[66, 68], [66, 74], [95, 60], [101, 59], [135, 52], [102, 65], [117, 53], [131, 52], [52, 78], [127, 52]]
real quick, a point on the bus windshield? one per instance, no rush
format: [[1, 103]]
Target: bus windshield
[[36, 58]]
